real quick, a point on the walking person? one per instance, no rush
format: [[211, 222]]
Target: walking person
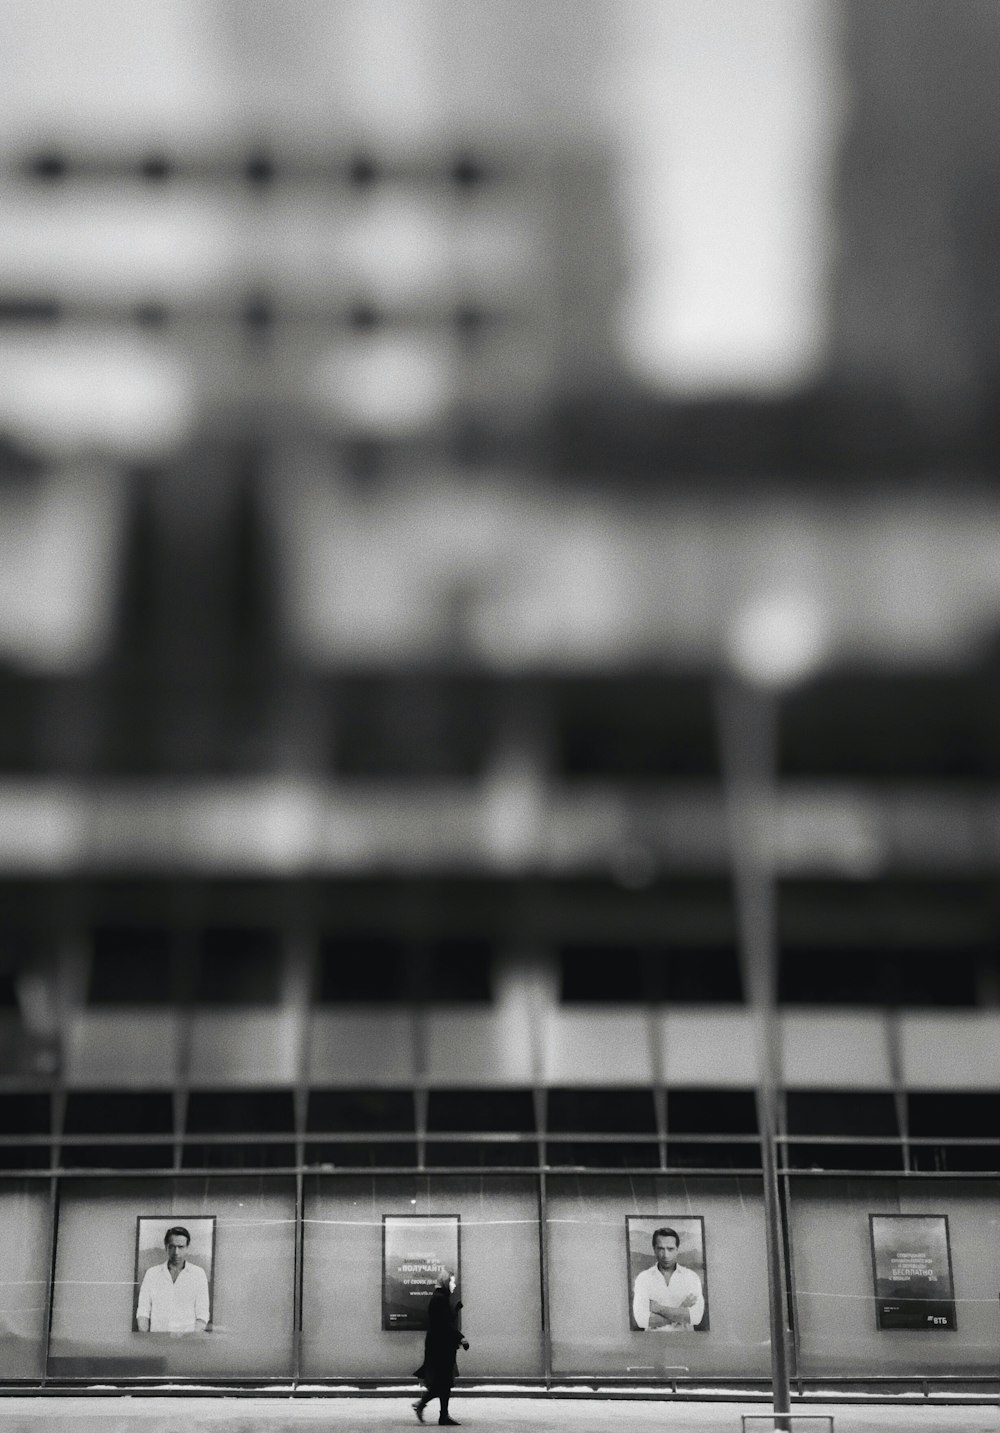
[[442, 1341]]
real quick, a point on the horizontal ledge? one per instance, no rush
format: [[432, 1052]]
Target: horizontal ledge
[[126, 1141], [716, 1172]]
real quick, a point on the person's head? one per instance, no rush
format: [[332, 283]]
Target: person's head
[[176, 1242], [446, 1282], [666, 1242]]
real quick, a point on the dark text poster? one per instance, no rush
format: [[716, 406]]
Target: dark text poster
[[911, 1260], [416, 1249]]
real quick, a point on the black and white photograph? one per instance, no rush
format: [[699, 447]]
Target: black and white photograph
[[668, 1288], [174, 1272], [500, 711]]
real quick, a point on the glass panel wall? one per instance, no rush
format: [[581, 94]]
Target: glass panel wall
[[600, 1240], [342, 1314], [601, 1235], [838, 1331], [101, 1252], [24, 1259]]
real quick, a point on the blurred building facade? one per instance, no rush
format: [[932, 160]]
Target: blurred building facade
[[363, 822], [916, 200]]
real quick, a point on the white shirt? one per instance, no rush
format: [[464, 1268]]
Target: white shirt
[[172, 1305], [651, 1284]]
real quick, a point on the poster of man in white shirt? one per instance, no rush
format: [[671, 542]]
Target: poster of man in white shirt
[[173, 1273], [668, 1288]]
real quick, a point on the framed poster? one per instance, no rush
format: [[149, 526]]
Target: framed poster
[[911, 1264], [416, 1249], [174, 1273], [667, 1278]]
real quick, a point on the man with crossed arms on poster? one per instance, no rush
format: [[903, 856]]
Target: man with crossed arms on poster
[[667, 1295], [173, 1297]]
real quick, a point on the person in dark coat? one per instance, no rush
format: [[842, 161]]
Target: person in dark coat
[[443, 1339]]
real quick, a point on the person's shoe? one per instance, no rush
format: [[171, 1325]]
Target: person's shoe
[[449, 1422], [418, 1409]]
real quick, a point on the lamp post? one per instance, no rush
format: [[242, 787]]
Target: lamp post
[[746, 724]]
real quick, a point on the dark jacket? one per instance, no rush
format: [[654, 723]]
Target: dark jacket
[[443, 1337]]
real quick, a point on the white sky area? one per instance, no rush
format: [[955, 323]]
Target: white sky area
[[724, 113]]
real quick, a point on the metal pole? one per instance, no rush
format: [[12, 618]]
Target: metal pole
[[51, 1284], [792, 1286], [300, 977], [747, 738], [543, 1261], [775, 1265]]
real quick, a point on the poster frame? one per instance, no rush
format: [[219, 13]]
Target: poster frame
[[187, 1220], [412, 1219], [881, 1327], [706, 1322]]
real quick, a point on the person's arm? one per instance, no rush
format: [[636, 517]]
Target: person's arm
[[689, 1310], [640, 1303], [668, 1315], [696, 1307], [438, 1316], [202, 1313], [145, 1304]]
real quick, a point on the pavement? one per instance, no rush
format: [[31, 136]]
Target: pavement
[[137, 1413]]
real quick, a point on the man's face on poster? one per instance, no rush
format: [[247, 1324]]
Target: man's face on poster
[[177, 1247], [665, 1248]]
